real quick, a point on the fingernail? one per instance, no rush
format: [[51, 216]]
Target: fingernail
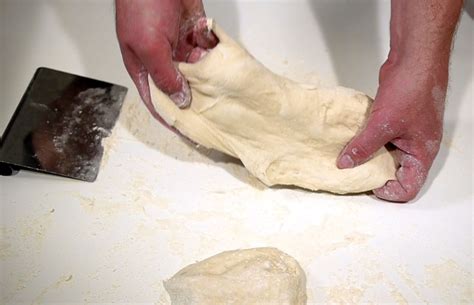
[[346, 162], [182, 98]]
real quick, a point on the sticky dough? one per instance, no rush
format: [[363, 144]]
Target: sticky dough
[[261, 276], [285, 133]]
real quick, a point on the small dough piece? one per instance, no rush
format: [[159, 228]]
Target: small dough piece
[[261, 276], [285, 133]]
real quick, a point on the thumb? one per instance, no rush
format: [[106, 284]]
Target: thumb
[[364, 145]]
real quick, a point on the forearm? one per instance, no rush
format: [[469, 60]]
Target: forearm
[[422, 31]]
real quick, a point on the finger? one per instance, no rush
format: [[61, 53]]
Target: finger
[[143, 86], [219, 32], [198, 35], [135, 68], [203, 34], [364, 145], [139, 76], [156, 56], [410, 178], [196, 55]]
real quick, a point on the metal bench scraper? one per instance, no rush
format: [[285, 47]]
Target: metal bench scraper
[[59, 124]]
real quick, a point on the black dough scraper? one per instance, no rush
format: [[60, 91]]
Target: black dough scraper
[[59, 124]]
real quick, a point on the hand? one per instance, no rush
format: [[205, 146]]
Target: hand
[[408, 113], [154, 33]]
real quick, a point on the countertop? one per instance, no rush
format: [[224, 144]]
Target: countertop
[[159, 204]]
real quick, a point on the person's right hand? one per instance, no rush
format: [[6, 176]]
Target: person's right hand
[[152, 35]]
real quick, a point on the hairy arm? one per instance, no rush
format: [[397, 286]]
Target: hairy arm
[[421, 32]]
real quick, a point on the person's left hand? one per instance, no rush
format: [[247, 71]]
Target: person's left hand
[[408, 113]]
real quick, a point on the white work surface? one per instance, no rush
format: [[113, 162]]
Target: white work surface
[[159, 205]]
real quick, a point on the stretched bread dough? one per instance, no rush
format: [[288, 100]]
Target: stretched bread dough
[[242, 277], [285, 133]]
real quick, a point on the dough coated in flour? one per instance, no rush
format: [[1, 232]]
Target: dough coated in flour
[[285, 133], [261, 276]]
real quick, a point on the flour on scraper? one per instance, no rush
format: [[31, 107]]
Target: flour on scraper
[[285, 133], [261, 276]]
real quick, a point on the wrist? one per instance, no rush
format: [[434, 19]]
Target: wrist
[[417, 63], [421, 54]]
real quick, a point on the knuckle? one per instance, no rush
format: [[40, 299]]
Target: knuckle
[[367, 143], [408, 196], [146, 48], [387, 122], [404, 195], [150, 46], [390, 126], [359, 151]]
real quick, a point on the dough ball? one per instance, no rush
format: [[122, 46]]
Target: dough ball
[[261, 276]]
